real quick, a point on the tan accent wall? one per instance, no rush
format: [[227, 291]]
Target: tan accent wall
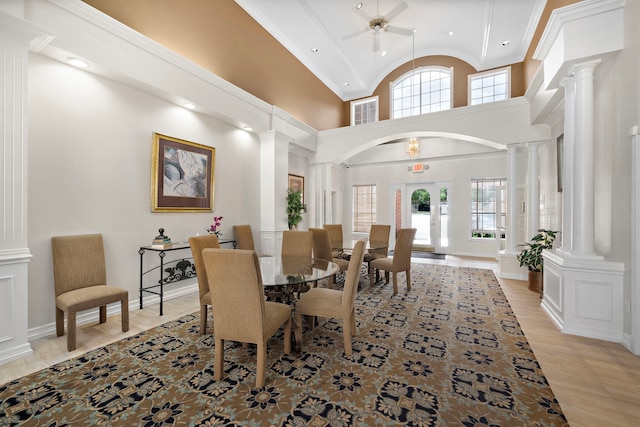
[[222, 38], [531, 65]]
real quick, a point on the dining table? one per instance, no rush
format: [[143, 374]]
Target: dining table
[[284, 277]]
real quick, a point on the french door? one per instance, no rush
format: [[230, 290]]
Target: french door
[[425, 206]]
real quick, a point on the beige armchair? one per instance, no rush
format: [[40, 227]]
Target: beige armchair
[[198, 244], [297, 243], [322, 249], [324, 302], [80, 280], [241, 313], [401, 260]]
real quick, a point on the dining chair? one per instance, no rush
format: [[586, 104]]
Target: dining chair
[[335, 237], [323, 302], [401, 260], [379, 233], [244, 237], [322, 250], [297, 243], [241, 312], [198, 244], [80, 281]]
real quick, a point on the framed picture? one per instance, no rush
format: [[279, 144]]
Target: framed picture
[[296, 183], [560, 160], [181, 175]]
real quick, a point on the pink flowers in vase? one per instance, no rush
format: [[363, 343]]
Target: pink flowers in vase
[[213, 228]]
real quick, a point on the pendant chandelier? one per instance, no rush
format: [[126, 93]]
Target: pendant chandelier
[[413, 144], [413, 147]]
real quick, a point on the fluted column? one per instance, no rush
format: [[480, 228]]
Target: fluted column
[[583, 203], [533, 197], [512, 199], [569, 85]]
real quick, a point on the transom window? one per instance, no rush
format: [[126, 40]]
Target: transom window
[[364, 207], [424, 90], [491, 86], [484, 207], [364, 111]]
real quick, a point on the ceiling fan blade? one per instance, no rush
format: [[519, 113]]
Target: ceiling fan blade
[[398, 30], [376, 41], [396, 11], [361, 13], [355, 34]]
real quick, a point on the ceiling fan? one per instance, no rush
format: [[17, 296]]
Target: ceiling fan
[[378, 23]]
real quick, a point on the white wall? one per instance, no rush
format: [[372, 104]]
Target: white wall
[[90, 166], [458, 170]]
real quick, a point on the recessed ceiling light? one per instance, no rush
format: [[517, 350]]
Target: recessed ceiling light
[[314, 49], [77, 62], [450, 33], [383, 53], [247, 128], [359, 6], [506, 42], [189, 106], [347, 84]]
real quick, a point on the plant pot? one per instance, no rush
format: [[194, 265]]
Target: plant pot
[[535, 281]]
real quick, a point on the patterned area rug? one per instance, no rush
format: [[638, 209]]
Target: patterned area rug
[[450, 352]]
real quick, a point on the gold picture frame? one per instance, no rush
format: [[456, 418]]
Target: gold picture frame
[[296, 183], [181, 175]]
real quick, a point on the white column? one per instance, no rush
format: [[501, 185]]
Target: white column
[[583, 184], [274, 166], [533, 197], [635, 239], [16, 35], [512, 200], [569, 85]]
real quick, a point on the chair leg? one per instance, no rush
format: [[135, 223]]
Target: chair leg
[[386, 277], [297, 330], [124, 310], [287, 336], [71, 331], [59, 322], [370, 271], [346, 335], [395, 282], [203, 319], [261, 364], [218, 364], [103, 313], [408, 272]]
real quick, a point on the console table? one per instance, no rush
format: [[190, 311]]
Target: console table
[[176, 270]]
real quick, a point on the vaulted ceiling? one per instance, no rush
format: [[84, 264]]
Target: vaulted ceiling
[[351, 49]]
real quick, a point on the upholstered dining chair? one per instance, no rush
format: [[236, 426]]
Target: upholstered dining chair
[[198, 244], [379, 233], [244, 237], [335, 237], [322, 250], [297, 243], [241, 312], [80, 280], [323, 302], [401, 260]]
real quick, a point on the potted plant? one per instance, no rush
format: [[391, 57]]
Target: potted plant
[[531, 256], [295, 207]]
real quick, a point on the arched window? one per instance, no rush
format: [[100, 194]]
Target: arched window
[[424, 90]]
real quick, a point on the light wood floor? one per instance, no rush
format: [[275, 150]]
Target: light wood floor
[[596, 382]]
